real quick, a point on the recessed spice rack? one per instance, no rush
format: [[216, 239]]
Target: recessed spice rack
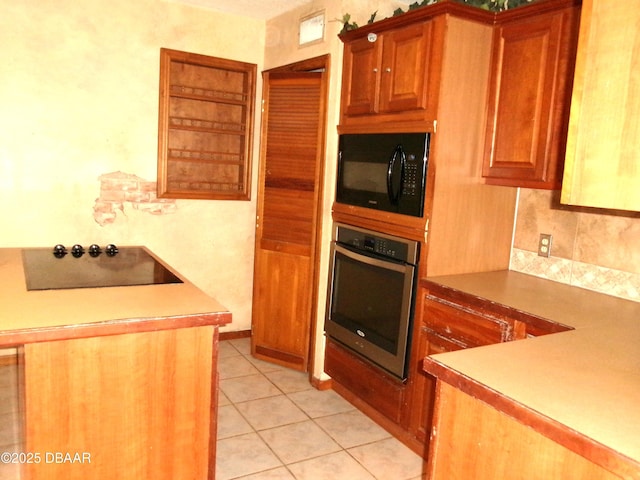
[[205, 126]]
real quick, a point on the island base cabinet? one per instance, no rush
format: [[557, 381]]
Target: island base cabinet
[[139, 405], [470, 439]]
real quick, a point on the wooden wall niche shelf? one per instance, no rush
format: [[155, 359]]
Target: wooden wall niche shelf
[[205, 126]]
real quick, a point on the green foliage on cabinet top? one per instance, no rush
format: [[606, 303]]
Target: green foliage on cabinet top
[[490, 5]]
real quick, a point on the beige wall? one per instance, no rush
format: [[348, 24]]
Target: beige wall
[[79, 99], [594, 249]]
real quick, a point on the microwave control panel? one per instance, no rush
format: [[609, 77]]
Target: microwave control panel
[[410, 186]]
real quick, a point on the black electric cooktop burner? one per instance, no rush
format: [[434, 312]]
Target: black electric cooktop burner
[[58, 268]]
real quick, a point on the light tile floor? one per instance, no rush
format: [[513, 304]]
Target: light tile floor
[[273, 425]]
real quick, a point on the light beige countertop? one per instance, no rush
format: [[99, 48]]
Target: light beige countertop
[[39, 315], [587, 379]]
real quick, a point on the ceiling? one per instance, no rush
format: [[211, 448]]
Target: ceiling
[[260, 9]]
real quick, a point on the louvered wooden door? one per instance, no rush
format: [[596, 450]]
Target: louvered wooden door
[[289, 207]]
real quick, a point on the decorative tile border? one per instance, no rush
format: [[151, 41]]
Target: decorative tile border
[[592, 277]]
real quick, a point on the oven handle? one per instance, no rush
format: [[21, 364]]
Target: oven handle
[[373, 261]]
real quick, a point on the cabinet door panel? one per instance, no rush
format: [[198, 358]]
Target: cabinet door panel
[[404, 63], [281, 326], [531, 77], [361, 80], [602, 165], [423, 385]]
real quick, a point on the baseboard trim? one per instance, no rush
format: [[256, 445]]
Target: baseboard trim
[[234, 335], [321, 384]]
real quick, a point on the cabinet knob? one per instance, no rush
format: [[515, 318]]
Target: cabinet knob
[[388, 70], [375, 70]]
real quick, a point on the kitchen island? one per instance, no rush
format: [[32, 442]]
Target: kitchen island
[[115, 382], [563, 405]]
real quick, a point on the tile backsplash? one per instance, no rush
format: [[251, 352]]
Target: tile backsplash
[[591, 248]]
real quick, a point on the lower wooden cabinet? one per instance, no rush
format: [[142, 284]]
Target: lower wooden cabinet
[[383, 392], [422, 386], [448, 320], [475, 440]]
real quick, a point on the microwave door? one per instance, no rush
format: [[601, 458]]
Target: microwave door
[[395, 174]]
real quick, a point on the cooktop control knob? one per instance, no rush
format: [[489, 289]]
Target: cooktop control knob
[[59, 251], [94, 250], [77, 251], [111, 250]]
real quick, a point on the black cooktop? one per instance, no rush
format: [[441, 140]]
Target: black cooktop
[[56, 268]]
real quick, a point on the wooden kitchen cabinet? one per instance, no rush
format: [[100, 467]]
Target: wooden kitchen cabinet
[[205, 126], [450, 320], [602, 166], [457, 199], [474, 440], [387, 72], [534, 49], [444, 326], [426, 342], [383, 392], [462, 324], [138, 405]]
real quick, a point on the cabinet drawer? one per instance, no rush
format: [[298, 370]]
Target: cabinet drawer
[[462, 325], [381, 391], [438, 344]]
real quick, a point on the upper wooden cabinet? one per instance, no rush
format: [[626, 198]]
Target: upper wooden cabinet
[[533, 58], [602, 162], [394, 69], [205, 125], [387, 72]]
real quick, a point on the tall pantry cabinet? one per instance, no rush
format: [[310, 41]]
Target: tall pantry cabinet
[[436, 60]]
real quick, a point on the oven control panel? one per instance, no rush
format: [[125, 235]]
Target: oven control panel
[[378, 243]]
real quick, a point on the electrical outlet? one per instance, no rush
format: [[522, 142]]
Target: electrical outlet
[[544, 245]]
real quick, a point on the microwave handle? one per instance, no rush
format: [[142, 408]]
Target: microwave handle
[[394, 196]]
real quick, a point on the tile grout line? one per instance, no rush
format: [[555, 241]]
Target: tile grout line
[[309, 418]]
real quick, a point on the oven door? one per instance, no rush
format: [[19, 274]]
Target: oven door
[[371, 307]]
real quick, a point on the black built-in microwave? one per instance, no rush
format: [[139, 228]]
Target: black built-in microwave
[[383, 171]]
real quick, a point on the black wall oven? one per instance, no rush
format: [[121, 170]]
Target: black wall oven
[[371, 301], [383, 171]]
